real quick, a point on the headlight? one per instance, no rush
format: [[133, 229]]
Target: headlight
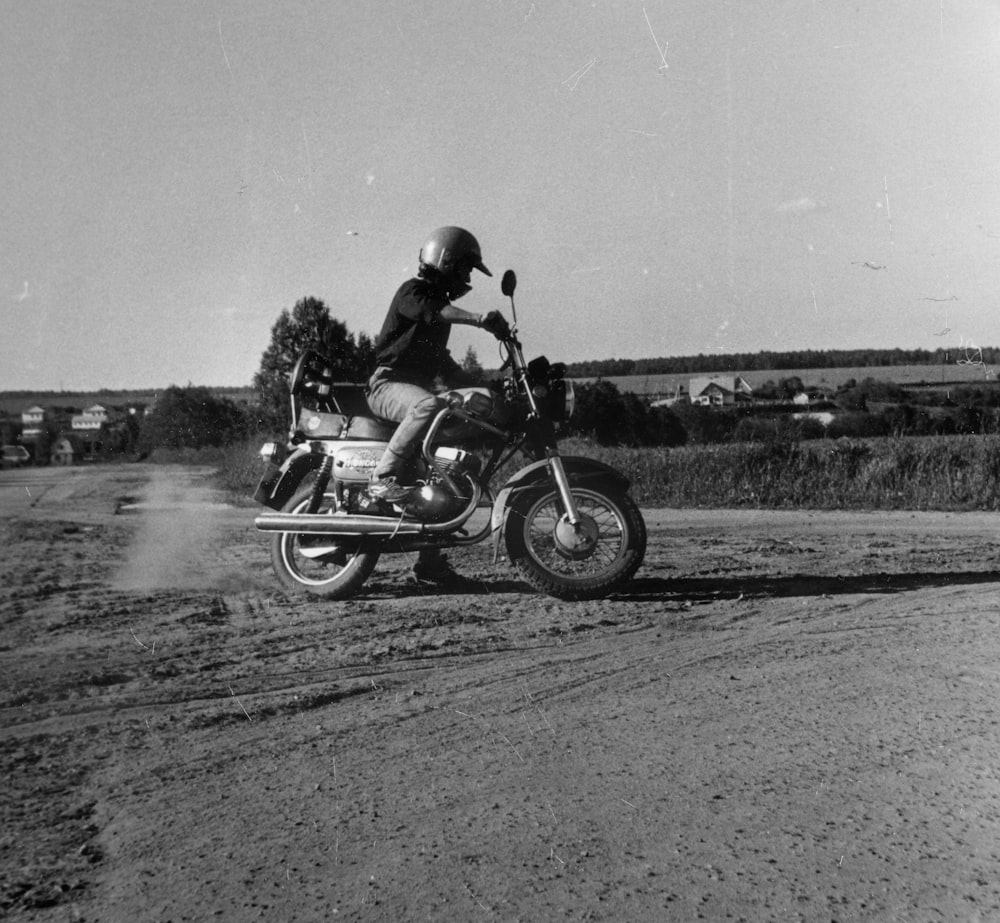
[[479, 404]]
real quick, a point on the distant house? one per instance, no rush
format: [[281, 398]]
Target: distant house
[[32, 421], [89, 428], [719, 390], [93, 418]]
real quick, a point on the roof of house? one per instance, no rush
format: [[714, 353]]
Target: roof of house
[[729, 383]]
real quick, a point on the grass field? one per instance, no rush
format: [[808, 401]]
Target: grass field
[[905, 473]]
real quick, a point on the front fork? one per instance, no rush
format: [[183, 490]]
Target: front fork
[[548, 434], [562, 482]]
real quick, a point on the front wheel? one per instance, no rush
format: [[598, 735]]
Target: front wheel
[[583, 561], [321, 565]]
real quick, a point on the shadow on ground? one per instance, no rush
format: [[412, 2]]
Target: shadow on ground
[[696, 589]]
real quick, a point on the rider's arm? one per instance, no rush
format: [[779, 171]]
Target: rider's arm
[[449, 314]]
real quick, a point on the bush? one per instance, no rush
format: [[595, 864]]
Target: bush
[[706, 424], [609, 417], [191, 418], [240, 468], [854, 396]]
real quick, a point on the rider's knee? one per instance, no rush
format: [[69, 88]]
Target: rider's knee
[[428, 407]]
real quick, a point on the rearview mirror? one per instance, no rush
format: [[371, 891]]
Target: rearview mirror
[[508, 283]]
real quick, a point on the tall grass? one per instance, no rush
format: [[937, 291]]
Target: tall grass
[[918, 473]]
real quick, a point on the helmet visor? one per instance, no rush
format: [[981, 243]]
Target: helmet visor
[[474, 261]]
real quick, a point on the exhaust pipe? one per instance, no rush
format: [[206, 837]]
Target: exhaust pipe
[[324, 524], [340, 524]]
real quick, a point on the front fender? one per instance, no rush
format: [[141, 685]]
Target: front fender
[[279, 484], [579, 470]]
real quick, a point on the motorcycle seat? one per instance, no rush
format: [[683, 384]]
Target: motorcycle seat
[[344, 414]]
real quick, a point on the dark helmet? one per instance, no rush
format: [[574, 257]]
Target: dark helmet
[[447, 249]]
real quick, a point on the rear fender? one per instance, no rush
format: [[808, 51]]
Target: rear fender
[[580, 471], [279, 484]]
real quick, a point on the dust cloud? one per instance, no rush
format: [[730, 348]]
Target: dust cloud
[[180, 541]]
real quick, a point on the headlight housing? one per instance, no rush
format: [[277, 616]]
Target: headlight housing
[[551, 389]]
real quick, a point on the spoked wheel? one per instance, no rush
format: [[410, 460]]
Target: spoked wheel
[[583, 561], [322, 565]]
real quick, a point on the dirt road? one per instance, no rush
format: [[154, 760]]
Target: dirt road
[[787, 716]]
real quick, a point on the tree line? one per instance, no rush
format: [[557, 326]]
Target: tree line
[[771, 360]]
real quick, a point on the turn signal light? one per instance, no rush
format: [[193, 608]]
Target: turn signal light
[[270, 452]]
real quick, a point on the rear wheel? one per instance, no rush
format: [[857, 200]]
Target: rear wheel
[[587, 560], [326, 566]]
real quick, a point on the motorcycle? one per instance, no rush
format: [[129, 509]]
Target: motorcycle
[[567, 523]]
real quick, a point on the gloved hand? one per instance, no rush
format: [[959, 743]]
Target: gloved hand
[[496, 324]]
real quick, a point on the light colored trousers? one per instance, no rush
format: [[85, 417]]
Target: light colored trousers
[[411, 405]]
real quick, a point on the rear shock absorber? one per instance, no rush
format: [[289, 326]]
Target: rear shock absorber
[[320, 484]]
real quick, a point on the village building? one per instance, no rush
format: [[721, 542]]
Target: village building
[[93, 418], [32, 421], [66, 435], [720, 390]]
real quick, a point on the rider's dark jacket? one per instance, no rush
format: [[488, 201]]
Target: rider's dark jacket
[[411, 342]]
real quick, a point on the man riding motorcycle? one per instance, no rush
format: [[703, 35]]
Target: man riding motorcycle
[[413, 362], [566, 523]]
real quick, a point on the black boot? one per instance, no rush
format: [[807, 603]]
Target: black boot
[[434, 568]]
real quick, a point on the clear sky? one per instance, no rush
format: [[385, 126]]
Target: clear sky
[[667, 178]]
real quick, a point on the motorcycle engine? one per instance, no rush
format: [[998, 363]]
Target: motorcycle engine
[[455, 461], [434, 501]]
